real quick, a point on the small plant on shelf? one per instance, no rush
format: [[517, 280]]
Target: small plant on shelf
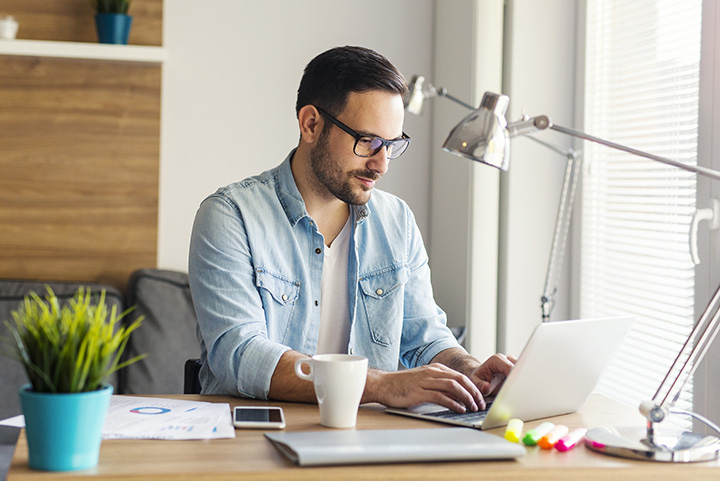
[[111, 6]]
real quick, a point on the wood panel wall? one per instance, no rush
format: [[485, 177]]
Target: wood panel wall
[[79, 160]]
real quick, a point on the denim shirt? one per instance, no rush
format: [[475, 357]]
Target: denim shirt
[[256, 260]]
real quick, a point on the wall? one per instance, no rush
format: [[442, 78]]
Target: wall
[[228, 94], [229, 89], [465, 194], [539, 69]]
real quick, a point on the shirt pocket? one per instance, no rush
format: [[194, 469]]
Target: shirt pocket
[[279, 295], [382, 297]]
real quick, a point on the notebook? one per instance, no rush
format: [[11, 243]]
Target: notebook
[[555, 374], [351, 446]]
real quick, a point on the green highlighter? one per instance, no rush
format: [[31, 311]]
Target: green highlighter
[[534, 435]]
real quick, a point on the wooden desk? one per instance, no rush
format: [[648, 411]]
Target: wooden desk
[[251, 456]]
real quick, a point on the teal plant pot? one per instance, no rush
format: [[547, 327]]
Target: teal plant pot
[[113, 27], [64, 431]]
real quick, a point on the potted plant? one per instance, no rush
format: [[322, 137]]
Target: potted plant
[[112, 20], [68, 352]]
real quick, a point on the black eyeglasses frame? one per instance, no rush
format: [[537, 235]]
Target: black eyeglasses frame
[[357, 136]]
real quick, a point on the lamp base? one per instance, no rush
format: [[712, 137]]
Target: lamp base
[[672, 446]]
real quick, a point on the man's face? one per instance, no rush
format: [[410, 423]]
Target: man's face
[[338, 171]]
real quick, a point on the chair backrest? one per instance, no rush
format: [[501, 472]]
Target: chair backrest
[[192, 376], [12, 293]]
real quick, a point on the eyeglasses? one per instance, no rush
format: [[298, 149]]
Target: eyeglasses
[[369, 145]]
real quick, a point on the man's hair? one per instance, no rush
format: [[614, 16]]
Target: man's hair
[[331, 76]]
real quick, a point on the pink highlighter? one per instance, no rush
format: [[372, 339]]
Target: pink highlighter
[[566, 443]]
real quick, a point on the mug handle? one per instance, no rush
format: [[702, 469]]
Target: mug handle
[[299, 372]]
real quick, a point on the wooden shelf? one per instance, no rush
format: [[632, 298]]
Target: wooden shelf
[[80, 50]]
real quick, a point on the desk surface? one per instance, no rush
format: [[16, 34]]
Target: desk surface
[[251, 456]]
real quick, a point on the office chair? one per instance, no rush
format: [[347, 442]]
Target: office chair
[[192, 376]]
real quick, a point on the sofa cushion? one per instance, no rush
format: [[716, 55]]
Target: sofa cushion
[[167, 334], [12, 293]]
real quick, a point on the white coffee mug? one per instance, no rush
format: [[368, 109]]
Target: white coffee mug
[[339, 381]]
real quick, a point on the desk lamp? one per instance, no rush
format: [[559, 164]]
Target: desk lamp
[[420, 89], [484, 136]]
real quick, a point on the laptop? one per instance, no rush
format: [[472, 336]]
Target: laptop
[[555, 374]]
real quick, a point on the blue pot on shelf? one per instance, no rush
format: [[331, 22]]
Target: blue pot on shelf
[[64, 431], [113, 27]]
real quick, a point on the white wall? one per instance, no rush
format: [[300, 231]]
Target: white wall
[[465, 195], [539, 74], [229, 88]]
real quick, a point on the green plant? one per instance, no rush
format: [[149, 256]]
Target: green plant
[[111, 6], [71, 348]]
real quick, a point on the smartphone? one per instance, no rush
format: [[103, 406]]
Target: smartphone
[[258, 417]]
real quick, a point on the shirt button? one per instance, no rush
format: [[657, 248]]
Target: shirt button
[[379, 292], [352, 351], [317, 303], [284, 297], [318, 250]]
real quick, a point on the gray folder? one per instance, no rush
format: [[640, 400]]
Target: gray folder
[[314, 448]]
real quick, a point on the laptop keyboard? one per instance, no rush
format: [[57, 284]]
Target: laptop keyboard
[[468, 417]]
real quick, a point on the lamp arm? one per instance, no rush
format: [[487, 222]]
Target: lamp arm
[[706, 329], [442, 92], [562, 225], [714, 174], [562, 228], [698, 342], [567, 200]]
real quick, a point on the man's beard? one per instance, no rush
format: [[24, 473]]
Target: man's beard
[[334, 179]]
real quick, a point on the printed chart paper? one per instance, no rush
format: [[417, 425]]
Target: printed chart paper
[[134, 417]]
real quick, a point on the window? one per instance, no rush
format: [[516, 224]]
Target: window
[[642, 71]]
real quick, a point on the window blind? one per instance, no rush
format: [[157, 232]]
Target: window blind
[[641, 90]]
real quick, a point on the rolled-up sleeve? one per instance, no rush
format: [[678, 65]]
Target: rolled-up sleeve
[[231, 318], [425, 332]]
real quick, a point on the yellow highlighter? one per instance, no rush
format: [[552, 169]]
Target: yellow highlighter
[[551, 438], [513, 432], [534, 435]]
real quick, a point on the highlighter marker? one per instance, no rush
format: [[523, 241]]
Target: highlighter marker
[[513, 432], [568, 442], [549, 440], [533, 436]]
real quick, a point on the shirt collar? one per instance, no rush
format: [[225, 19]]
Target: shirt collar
[[292, 201]]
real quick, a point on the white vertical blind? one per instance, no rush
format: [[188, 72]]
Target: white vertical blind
[[641, 90]]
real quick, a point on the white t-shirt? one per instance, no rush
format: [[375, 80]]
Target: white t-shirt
[[334, 332]]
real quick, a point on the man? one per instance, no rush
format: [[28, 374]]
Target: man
[[308, 258]]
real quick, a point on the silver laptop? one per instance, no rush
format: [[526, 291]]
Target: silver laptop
[[555, 374]]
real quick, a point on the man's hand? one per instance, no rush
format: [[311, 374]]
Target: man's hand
[[435, 383], [455, 380], [491, 374]]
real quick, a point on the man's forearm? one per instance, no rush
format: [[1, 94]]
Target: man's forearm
[[285, 385], [457, 358], [402, 388]]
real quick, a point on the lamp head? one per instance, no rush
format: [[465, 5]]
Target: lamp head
[[483, 136], [419, 89]]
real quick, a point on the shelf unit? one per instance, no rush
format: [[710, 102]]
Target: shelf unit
[[81, 50]]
